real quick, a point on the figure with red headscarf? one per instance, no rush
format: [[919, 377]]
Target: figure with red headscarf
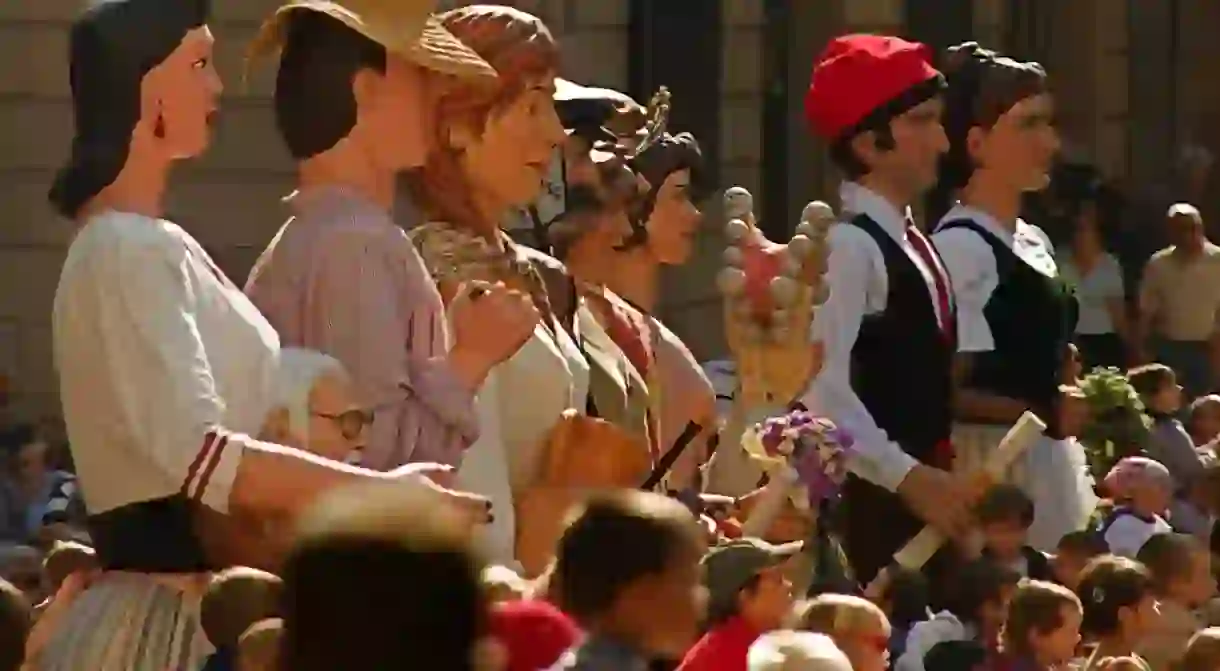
[[888, 323]]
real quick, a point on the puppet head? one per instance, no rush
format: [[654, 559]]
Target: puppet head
[[495, 144], [143, 89], [999, 119], [365, 72]]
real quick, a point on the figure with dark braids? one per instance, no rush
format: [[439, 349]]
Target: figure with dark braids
[[1015, 315], [165, 367]]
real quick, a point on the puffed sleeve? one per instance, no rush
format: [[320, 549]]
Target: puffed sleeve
[[973, 276], [165, 392]]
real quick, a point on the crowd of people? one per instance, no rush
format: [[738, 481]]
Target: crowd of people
[[430, 444]]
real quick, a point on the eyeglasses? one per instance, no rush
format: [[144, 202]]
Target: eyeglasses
[[351, 423]]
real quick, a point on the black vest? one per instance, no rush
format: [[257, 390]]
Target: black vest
[[1031, 318], [900, 364]]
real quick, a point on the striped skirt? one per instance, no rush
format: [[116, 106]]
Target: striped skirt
[[128, 622]]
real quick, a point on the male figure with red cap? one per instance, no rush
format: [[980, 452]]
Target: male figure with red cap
[[888, 326]]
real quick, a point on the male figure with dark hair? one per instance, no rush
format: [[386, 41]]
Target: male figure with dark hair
[[354, 102], [888, 326], [627, 571]]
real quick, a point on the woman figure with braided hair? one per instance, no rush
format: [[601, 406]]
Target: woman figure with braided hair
[[1016, 315], [495, 149]]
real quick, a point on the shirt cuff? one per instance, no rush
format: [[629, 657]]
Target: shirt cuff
[[887, 472], [436, 385], [210, 478]]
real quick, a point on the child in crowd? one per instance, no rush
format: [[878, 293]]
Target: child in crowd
[[1042, 629], [749, 594], [858, 627], [977, 607], [258, 646], [504, 584], [627, 571], [796, 651], [1142, 490], [1119, 608], [1181, 571], [14, 626], [1074, 551], [236, 599], [1202, 652], [1195, 511], [1169, 443], [1204, 421], [1063, 489], [1005, 514], [902, 594]]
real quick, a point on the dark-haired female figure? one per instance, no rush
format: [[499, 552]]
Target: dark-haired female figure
[[1102, 332], [164, 366], [1016, 315]]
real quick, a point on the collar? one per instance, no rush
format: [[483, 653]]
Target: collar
[[333, 197], [984, 219], [611, 654], [859, 199]]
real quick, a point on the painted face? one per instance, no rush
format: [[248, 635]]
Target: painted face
[[398, 107], [674, 221], [181, 96], [1021, 145], [512, 156], [919, 141]]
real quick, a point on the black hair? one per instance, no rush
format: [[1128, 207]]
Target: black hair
[[955, 656], [667, 155], [1107, 585], [907, 594], [843, 155], [314, 104], [978, 583], [982, 87], [335, 589], [1087, 543], [1005, 503], [614, 541], [111, 47]]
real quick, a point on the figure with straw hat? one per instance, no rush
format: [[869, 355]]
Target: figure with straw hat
[[353, 107]]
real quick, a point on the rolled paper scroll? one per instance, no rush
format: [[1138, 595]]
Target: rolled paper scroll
[[1019, 438]]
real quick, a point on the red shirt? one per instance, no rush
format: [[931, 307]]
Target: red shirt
[[722, 649]]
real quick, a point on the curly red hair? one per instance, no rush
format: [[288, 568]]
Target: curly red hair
[[522, 50]]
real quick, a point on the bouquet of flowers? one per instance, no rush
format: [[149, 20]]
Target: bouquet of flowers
[[809, 449], [1118, 426]]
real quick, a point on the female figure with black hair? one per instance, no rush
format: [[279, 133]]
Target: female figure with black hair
[[1015, 315], [1102, 332], [164, 365]]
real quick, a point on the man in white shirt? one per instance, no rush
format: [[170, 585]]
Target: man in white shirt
[[888, 326]]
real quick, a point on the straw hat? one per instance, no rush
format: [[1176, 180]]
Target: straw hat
[[407, 28]]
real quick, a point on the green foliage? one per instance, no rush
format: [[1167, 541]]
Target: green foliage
[[1118, 426]]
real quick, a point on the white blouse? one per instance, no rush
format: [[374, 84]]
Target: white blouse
[[518, 405], [973, 272], [164, 365]]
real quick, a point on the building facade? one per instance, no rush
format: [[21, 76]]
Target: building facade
[[1130, 77]]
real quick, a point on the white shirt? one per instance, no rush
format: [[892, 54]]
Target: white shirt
[[1128, 533], [973, 271], [859, 284], [164, 365], [1095, 291]]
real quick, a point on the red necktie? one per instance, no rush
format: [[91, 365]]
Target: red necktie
[[924, 249]]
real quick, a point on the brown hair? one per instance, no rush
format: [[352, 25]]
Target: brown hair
[[982, 86], [837, 614], [1036, 607], [1107, 585], [1149, 379], [1202, 652], [1169, 558], [521, 49]]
